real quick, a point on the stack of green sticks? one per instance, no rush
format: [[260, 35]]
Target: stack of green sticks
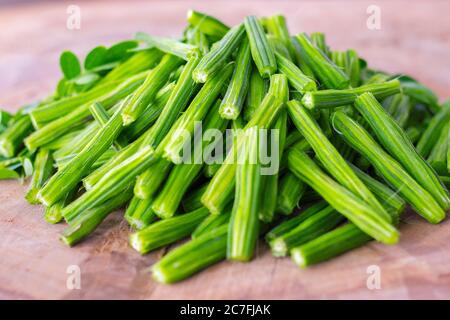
[[355, 146]]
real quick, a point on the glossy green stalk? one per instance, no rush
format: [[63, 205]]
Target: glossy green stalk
[[170, 46], [178, 100], [210, 223], [65, 124], [54, 110], [279, 47], [446, 181], [353, 67], [413, 133], [317, 224], [151, 113], [390, 199], [421, 200], [219, 54], [72, 173], [77, 143], [99, 113], [431, 133], [318, 39], [297, 79], [85, 224], [192, 199], [183, 175], [340, 198], [300, 62], [139, 213], [395, 141], [192, 256], [114, 182], [290, 191], [139, 62], [42, 170], [197, 38], [149, 182], [339, 58], [167, 231], [329, 245], [290, 224], [244, 222], [399, 107], [237, 88], [148, 90], [337, 98], [220, 190], [330, 75], [122, 155], [262, 52], [276, 25], [330, 157], [293, 137], [11, 140], [53, 214], [207, 24], [438, 155], [269, 183], [256, 93], [183, 129]]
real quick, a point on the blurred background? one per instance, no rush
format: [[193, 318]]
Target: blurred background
[[411, 37]]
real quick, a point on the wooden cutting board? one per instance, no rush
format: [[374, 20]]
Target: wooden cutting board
[[414, 39]]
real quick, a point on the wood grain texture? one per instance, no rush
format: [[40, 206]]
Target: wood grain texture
[[414, 39]]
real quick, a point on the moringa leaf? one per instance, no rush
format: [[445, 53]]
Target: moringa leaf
[[119, 50], [6, 173], [96, 57], [70, 65]]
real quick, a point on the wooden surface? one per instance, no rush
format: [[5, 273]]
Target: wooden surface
[[414, 39]]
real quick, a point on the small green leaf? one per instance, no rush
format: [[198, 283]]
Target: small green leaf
[[70, 65], [95, 57], [4, 118], [6, 173], [119, 50]]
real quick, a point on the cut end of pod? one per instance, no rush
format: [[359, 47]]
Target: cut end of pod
[[210, 206], [278, 247], [307, 100], [199, 76], [127, 119], [136, 224], [229, 112], [32, 196], [159, 275], [67, 240], [137, 244], [43, 200], [140, 191], [299, 258], [53, 217]]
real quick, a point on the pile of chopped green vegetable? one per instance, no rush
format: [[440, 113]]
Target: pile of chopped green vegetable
[[356, 145]]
